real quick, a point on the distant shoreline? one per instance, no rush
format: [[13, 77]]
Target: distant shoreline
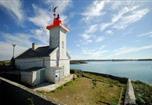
[[113, 60]]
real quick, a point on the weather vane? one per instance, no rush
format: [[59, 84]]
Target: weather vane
[[54, 11]]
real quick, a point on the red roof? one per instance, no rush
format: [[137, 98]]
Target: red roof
[[57, 22]]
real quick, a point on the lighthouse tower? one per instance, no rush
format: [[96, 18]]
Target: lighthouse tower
[[58, 34], [58, 40]]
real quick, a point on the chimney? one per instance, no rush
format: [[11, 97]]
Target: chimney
[[33, 46]]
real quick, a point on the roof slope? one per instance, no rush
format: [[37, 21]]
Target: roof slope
[[39, 52]]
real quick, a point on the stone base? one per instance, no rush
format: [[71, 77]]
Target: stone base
[[47, 87]]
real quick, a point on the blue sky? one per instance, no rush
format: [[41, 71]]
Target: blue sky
[[99, 29]]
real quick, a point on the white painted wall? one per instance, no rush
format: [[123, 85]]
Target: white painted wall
[[65, 63], [49, 74], [27, 63], [33, 77], [63, 47]]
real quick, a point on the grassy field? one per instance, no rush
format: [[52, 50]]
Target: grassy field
[[143, 93], [88, 89]]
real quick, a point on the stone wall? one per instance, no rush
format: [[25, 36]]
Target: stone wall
[[12, 93], [120, 79], [130, 98]]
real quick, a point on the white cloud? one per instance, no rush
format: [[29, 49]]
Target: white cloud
[[42, 35], [88, 34], [131, 18], [61, 4], [92, 29], [109, 32], [14, 7], [41, 17], [117, 17], [145, 34], [128, 14], [6, 50], [96, 53], [99, 39], [95, 9], [21, 40], [126, 50]]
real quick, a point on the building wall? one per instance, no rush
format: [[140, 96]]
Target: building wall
[[50, 75], [63, 45], [32, 62], [65, 64], [33, 77], [54, 37]]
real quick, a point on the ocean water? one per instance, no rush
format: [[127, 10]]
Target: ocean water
[[135, 70]]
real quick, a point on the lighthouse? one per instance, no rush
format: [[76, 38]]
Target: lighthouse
[[54, 58], [58, 37]]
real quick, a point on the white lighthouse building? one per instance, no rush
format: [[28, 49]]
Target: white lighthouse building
[[47, 63]]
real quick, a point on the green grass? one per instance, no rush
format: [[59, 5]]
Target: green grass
[[143, 93], [88, 89], [7, 62]]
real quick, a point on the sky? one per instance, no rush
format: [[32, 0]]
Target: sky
[[99, 29]]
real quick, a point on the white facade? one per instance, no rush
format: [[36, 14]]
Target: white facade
[[57, 64]]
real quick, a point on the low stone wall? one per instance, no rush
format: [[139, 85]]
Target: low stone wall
[[12, 93], [130, 98], [121, 79]]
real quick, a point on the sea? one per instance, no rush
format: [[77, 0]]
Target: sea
[[135, 70]]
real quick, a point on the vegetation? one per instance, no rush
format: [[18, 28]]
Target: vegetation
[[7, 62], [78, 62], [143, 93], [88, 89]]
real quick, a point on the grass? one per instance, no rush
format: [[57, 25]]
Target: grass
[[88, 89], [143, 93], [2, 63]]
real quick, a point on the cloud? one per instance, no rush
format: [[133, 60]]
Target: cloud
[[95, 9], [125, 50], [88, 34], [109, 32], [96, 53], [125, 16], [92, 29], [13, 7], [145, 34], [41, 17], [99, 39], [131, 18], [128, 13], [61, 4], [41, 34], [22, 41]]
